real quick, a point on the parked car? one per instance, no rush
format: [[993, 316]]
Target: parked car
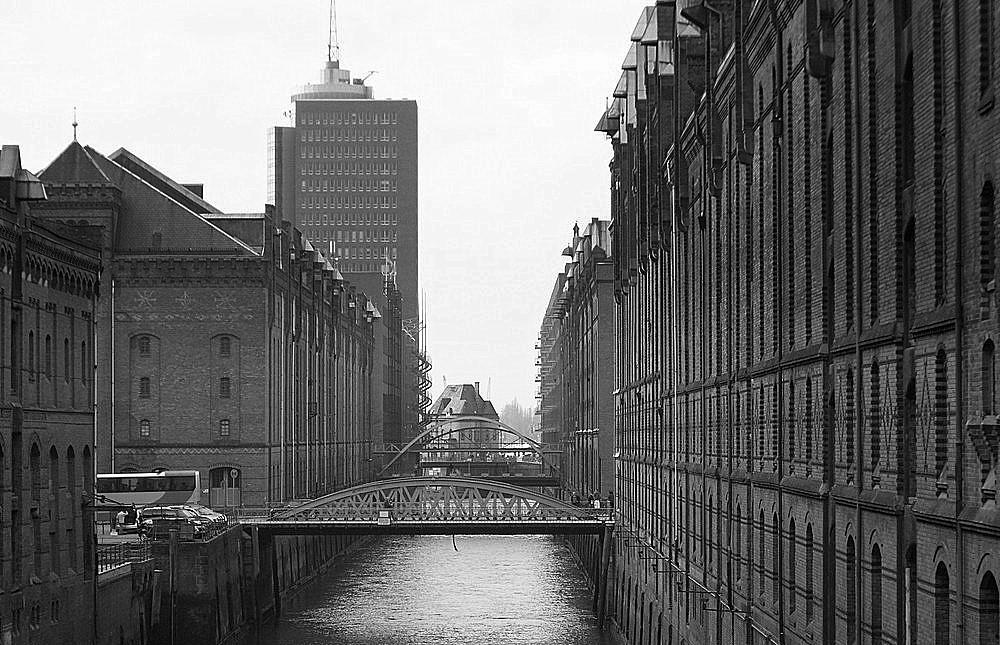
[[213, 517], [170, 515]]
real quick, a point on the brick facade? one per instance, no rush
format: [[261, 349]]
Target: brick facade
[[48, 298], [227, 343], [806, 418], [580, 319]]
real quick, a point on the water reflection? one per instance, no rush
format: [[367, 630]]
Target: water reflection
[[495, 590]]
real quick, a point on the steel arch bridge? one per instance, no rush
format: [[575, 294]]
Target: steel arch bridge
[[440, 428], [436, 506]]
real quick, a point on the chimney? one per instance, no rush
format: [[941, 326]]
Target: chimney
[[477, 387]]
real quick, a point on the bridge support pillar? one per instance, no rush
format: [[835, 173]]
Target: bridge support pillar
[[601, 586]]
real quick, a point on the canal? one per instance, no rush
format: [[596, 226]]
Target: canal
[[410, 590]]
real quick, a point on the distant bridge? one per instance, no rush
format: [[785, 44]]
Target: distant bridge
[[429, 439], [436, 505]]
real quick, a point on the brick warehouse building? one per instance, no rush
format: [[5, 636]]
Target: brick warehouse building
[[804, 239], [230, 345], [48, 298], [581, 317]]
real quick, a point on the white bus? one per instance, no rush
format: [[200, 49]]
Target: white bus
[[170, 487]]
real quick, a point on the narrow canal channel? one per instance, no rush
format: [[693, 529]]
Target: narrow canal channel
[[494, 590]]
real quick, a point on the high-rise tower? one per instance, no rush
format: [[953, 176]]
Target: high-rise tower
[[345, 172]]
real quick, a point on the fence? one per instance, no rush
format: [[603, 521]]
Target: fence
[[111, 556]]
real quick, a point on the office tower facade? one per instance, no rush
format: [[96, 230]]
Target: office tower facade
[[345, 173]]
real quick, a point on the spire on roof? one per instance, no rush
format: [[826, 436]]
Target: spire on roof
[[74, 123], [333, 44]]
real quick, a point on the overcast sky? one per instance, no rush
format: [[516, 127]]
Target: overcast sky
[[508, 93]]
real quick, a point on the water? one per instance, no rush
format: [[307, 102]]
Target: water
[[495, 590]]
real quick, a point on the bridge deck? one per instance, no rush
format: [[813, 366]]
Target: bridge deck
[[411, 527]]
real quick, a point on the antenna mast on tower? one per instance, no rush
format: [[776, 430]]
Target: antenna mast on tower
[[333, 44]]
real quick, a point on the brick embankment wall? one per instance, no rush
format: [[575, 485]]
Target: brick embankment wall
[[229, 586]]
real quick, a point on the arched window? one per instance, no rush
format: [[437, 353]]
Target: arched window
[[144, 346], [35, 466], [987, 237], [144, 428], [71, 489], [852, 592], [792, 590], [876, 595], [809, 574], [224, 427], [144, 387], [88, 491], [225, 347], [942, 606], [48, 356], [940, 412], [31, 354], [791, 421], [54, 494], [760, 549], [738, 542], [84, 363], [711, 532], [985, 46], [989, 611], [225, 389], [989, 383], [775, 548]]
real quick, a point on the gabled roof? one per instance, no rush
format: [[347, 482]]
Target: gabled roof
[[153, 221], [161, 182], [462, 400], [74, 166]]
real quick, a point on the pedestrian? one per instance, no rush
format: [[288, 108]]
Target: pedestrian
[[120, 519], [590, 499], [575, 500], [597, 501], [611, 499]]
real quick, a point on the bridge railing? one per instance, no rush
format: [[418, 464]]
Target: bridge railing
[[445, 510]]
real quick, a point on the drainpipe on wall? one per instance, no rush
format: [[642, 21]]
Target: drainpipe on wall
[[959, 324]]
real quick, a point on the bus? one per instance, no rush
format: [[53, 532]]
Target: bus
[[166, 488]]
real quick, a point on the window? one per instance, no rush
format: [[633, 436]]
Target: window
[[852, 596], [989, 383], [940, 412], [989, 611], [225, 390], [144, 428], [876, 595], [225, 343], [224, 428], [144, 387], [809, 573], [67, 360], [84, 367], [985, 47], [942, 605], [143, 345], [792, 590], [31, 355], [48, 356]]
